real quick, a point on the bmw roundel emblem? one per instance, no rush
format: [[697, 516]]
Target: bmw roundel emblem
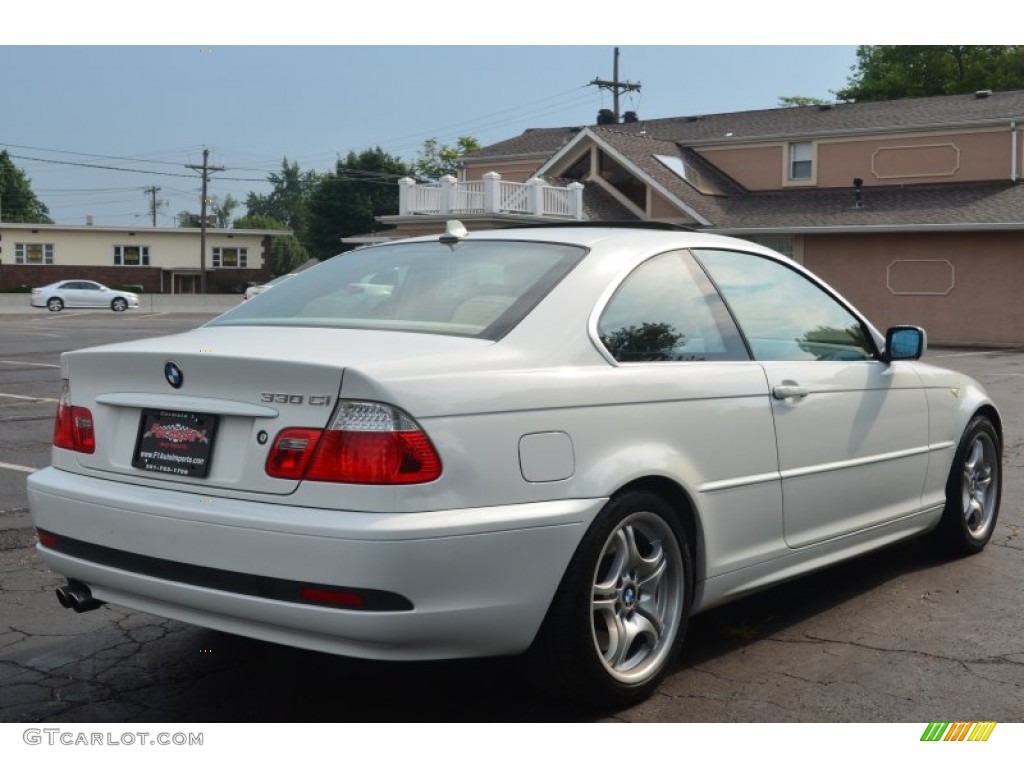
[[173, 375]]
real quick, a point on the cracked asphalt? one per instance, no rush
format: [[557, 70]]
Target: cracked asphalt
[[900, 635]]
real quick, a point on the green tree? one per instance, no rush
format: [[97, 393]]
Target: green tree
[[18, 203], [800, 101], [221, 210], [906, 71], [347, 200], [286, 252], [436, 159], [187, 219], [647, 341], [288, 200]]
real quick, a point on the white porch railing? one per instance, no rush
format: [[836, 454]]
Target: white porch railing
[[490, 195]]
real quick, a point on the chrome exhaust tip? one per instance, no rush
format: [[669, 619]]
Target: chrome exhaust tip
[[77, 597]]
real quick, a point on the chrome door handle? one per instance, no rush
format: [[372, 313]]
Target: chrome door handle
[[784, 393]]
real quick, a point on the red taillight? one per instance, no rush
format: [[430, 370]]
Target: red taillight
[[367, 443], [73, 427], [291, 452]]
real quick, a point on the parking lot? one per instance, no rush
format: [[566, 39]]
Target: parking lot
[[899, 635]]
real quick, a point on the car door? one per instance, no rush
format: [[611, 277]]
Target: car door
[[72, 293], [699, 404], [852, 431], [91, 294]]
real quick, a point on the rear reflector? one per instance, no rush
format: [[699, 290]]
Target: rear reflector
[[46, 538], [332, 597]]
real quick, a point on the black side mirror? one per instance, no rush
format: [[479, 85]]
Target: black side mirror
[[904, 342]]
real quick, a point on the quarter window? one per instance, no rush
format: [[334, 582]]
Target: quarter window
[[230, 258], [801, 157], [667, 310], [33, 253], [131, 255], [783, 314]]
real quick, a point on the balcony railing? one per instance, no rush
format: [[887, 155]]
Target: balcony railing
[[490, 195]]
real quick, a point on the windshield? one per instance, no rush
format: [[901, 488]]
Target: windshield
[[474, 288]]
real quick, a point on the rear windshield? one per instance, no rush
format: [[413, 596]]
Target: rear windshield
[[481, 289]]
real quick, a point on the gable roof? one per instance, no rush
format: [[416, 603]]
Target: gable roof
[[533, 142], [723, 203], [927, 113]]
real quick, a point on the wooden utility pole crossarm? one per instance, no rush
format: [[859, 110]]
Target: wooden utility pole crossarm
[[615, 85], [207, 169]]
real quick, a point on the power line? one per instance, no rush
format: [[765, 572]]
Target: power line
[[91, 154]]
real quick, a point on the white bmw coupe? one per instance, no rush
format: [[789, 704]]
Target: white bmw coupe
[[556, 441]]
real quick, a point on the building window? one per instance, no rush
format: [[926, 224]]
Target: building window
[[33, 253], [801, 156], [131, 255], [230, 258]]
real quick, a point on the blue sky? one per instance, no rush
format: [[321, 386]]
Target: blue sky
[[253, 105], [112, 83]]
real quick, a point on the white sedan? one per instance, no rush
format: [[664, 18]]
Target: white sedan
[[561, 442], [256, 290], [82, 294]]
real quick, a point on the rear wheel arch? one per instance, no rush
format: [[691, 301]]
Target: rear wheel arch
[[681, 502], [618, 618]]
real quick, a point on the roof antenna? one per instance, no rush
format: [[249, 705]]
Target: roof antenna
[[454, 233]]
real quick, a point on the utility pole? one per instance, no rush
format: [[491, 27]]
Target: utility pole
[[151, 191], [615, 85], [206, 168]]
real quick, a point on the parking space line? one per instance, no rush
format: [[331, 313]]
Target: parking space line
[[17, 467], [33, 399], [35, 365]]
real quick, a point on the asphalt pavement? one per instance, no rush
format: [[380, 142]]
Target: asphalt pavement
[[900, 635]]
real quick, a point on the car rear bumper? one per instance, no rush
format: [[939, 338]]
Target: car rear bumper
[[479, 581]]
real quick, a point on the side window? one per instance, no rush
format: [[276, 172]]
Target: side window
[[667, 310], [783, 315]]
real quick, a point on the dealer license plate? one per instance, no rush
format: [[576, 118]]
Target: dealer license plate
[[175, 442]]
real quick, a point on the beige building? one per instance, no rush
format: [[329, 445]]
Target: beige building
[[155, 259], [913, 209]]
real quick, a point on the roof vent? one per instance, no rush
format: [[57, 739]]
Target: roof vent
[[630, 117], [824, 107], [605, 117], [983, 94], [693, 118]]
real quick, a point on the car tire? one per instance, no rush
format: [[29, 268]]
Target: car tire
[[119, 305], [54, 304], [619, 616], [973, 491]]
